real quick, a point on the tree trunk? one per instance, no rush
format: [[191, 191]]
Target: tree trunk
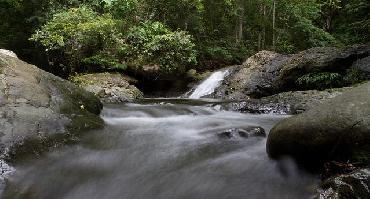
[[273, 24], [264, 28], [239, 33]]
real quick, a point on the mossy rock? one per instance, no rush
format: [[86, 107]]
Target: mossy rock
[[39, 110], [338, 129], [109, 87]]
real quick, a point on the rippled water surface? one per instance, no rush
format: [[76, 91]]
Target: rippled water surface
[[165, 150]]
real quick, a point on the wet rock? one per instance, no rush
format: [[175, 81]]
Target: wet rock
[[109, 87], [231, 133], [244, 133], [338, 129], [252, 132], [292, 102], [353, 185], [39, 110], [254, 78]]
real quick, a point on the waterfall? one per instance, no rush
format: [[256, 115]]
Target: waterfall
[[209, 85]]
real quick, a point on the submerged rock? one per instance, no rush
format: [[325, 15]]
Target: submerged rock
[[245, 133], [338, 129], [353, 185], [109, 87], [39, 110]]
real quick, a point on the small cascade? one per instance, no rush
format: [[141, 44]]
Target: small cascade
[[209, 85]]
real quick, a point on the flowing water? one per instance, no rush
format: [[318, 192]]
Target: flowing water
[[209, 85], [163, 149]]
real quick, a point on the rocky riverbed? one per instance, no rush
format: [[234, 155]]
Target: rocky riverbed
[[328, 134]]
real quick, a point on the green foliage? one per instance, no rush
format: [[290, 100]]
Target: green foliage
[[110, 34], [320, 80], [74, 29], [324, 80], [353, 22], [221, 53], [124, 9], [302, 31], [79, 33], [104, 61], [155, 44]]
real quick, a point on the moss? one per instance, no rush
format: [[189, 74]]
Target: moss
[[81, 107], [76, 100], [196, 76], [2, 65], [32, 147]]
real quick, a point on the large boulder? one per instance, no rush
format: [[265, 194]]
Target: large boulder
[[338, 129], [109, 87], [268, 73], [255, 77], [352, 185], [39, 110], [320, 59]]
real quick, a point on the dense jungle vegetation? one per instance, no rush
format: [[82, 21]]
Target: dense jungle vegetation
[[77, 36]]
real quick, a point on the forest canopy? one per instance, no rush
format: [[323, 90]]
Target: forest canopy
[[173, 35]]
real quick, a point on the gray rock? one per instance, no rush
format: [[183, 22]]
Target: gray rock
[[109, 87], [244, 133], [353, 185], [363, 65], [39, 110], [255, 77], [8, 53], [267, 73], [292, 102], [338, 129], [252, 132]]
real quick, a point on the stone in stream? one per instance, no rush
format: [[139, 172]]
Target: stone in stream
[[292, 102], [245, 133], [338, 129], [352, 185], [39, 110]]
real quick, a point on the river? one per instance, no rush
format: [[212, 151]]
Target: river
[[163, 149]]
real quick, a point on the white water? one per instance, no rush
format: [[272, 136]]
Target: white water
[[163, 150], [209, 85]]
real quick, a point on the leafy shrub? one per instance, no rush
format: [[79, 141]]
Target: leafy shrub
[[78, 33], [220, 53], [154, 44], [323, 80], [320, 80], [104, 61]]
